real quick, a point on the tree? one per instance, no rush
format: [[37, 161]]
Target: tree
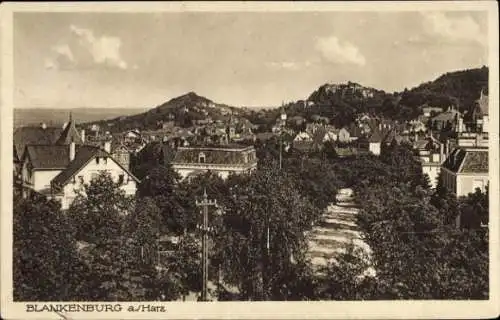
[[46, 265], [98, 211], [268, 199]]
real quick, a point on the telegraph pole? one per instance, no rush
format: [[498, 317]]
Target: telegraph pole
[[283, 124], [205, 203]]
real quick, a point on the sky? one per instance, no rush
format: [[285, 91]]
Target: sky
[[138, 60]]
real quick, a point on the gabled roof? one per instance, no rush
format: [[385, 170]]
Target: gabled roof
[[34, 136], [69, 134], [83, 155], [483, 104], [375, 137], [469, 160], [47, 156]]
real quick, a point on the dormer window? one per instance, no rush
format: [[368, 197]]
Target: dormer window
[[201, 157]]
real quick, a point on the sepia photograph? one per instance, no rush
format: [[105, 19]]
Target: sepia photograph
[[207, 154]]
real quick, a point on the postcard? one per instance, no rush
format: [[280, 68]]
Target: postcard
[[249, 160]]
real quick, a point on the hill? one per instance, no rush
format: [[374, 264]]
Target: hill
[[459, 88], [342, 102], [183, 111]]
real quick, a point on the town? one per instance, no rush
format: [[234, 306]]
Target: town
[[195, 200]]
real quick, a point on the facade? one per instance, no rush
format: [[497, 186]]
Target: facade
[[374, 143], [222, 159], [87, 164], [480, 113], [445, 120], [59, 166], [431, 157], [465, 169]]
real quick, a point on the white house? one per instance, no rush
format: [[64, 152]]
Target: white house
[[303, 136], [374, 143], [466, 169], [85, 164], [59, 170]]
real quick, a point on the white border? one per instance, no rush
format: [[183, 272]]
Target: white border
[[255, 310]]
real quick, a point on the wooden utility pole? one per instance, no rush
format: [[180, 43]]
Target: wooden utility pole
[[205, 203]]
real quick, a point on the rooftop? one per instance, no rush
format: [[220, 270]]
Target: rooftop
[[468, 160]]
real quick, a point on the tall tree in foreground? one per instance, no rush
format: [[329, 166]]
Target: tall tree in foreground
[[98, 213], [46, 266]]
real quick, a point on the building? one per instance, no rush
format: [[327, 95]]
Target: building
[[480, 113], [222, 159], [374, 143], [445, 120], [428, 111], [52, 166], [431, 156], [344, 135], [465, 169], [85, 164]]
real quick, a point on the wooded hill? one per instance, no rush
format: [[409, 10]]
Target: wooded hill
[[340, 103]]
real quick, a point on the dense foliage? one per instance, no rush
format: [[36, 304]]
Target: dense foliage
[[106, 247]]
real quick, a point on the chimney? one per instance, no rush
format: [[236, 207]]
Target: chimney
[[83, 135], [460, 124], [72, 151], [107, 146], [441, 152], [43, 125]]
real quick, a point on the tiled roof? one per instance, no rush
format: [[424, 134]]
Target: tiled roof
[[475, 162], [69, 134], [467, 161], [228, 155], [48, 156], [446, 116], [83, 155], [35, 136]]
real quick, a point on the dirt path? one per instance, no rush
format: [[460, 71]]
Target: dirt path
[[338, 228]]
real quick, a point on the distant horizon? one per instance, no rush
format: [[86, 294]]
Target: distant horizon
[[237, 58], [236, 106]]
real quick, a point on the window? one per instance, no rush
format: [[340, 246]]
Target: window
[[80, 179], [105, 160], [201, 157], [97, 160], [121, 178], [94, 175]]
